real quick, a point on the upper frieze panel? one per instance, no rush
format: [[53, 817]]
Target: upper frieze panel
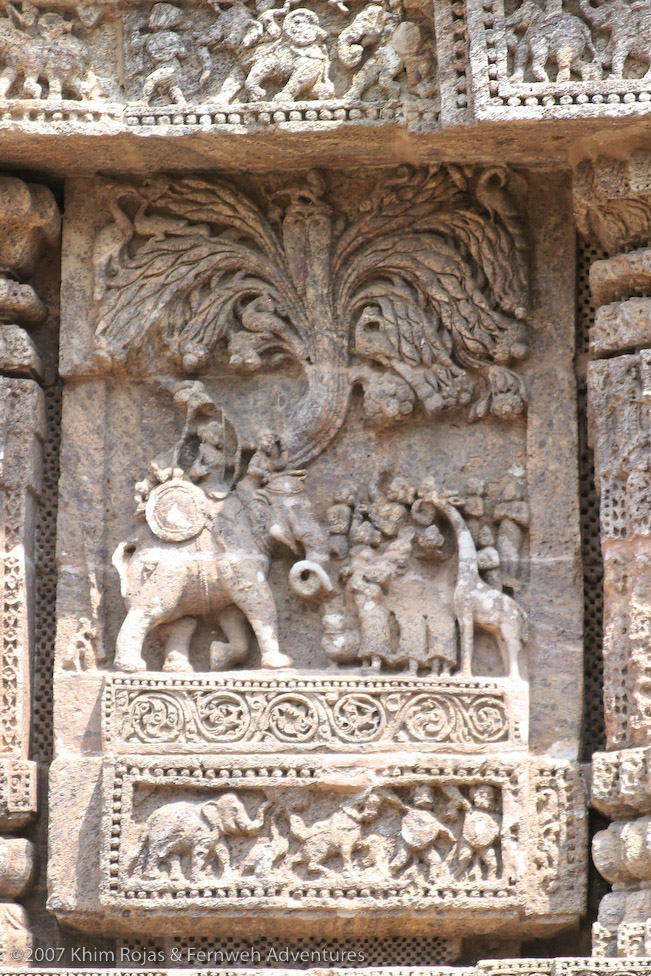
[[560, 58], [251, 66], [245, 63]]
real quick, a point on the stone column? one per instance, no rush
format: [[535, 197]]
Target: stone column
[[613, 204], [29, 221]]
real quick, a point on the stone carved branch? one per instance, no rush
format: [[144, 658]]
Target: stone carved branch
[[427, 281]]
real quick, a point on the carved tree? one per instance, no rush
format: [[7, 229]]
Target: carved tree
[[427, 281]]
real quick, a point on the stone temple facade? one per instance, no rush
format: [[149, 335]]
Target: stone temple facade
[[325, 486]]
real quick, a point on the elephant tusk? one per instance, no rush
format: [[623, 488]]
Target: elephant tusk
[[308, 579]]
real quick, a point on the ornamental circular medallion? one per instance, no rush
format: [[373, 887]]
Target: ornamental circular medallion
[[358, 718], [176, 511], [223, 716], [292, 718]]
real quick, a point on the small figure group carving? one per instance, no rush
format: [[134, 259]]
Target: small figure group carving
[[285, 49], [425, 834], [540, 32], [39, 49], [389, 611]]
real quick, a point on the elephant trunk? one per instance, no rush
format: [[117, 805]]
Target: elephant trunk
[[121, 559], [298, 828], [309, 580]]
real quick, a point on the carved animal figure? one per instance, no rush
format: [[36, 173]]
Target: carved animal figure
[[110, 244], [174, 583], [630, 32], [298, 58], [476, 603], [180, 840], [373, 27], [54, 56], [551, 34], [340, 835]]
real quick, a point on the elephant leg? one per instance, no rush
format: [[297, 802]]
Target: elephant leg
[[31, 85], [564, 60], [55, 88], [620, 54], [199, 859], [223, 857], [7, 79], [467, 639], [387, 84], [510, 646], [128, 647], [347, 848], [223, 654], [258, 606], [177, 645], [253, 84], [539, 55], [364, 78]]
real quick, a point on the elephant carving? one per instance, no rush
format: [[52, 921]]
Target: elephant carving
[[181, 841], [44, 49], [220, 571], [630, 32], [551, 34]]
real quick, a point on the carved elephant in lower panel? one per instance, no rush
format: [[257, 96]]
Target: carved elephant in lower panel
[[181, 840]]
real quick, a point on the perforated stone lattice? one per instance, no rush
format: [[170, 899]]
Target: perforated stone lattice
[[46, 582], [594, 736]]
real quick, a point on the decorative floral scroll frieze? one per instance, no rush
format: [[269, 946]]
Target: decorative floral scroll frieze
[[313, 713]]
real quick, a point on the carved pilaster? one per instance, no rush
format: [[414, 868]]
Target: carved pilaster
[[28, 221], [613, 206]]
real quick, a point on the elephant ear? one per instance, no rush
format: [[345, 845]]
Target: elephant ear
[[212, 813]]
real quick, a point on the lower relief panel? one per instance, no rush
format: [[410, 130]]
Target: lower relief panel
[[472, 845]]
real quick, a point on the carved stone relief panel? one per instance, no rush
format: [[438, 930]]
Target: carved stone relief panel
[[59, 62], [199, 64], [29, 231], [326, 62], [560, 58], [310, 576]]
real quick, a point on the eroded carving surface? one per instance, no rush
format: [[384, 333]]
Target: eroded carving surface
[[566, 56], [279, 835], [318, 699]]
